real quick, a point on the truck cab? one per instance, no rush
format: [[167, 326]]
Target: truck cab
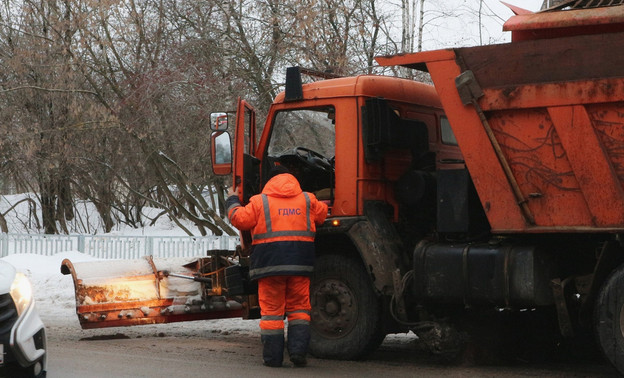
[[349, 141]]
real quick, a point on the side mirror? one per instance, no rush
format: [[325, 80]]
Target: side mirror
[[221, 152], [218, 121]]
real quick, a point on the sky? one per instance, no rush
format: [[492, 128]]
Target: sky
[[532, 5], [449, 24]]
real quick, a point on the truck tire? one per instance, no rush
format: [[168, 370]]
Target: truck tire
[[345, 310], [609, 319]]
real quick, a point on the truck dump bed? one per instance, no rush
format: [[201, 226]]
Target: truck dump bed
[[540, 120]]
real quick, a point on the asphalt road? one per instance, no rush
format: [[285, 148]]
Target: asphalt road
[[206, 351]]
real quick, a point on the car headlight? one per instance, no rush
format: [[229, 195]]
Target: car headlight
[[21, 292]]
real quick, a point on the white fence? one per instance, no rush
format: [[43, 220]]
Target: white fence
[[115, 247]]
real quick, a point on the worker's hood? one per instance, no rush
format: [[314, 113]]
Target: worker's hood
[[283, 185]]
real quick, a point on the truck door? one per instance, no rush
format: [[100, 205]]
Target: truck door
[[246, 170]]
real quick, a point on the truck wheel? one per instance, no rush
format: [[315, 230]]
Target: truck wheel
[[609, 318], [345, 310]]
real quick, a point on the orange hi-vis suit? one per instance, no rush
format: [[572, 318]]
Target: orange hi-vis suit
[[282, 220]]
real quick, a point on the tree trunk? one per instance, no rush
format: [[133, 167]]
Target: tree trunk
[[65, 198], [3, 224], [421, 25], [48, 206]]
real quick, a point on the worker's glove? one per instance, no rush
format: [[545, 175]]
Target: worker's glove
[[232, 192]]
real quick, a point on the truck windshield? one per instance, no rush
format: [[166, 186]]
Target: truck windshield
[[311, 128], [303, 141]]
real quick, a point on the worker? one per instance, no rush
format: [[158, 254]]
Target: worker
[[282, 220]]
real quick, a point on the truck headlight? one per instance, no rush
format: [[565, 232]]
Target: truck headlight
[[21, 292]]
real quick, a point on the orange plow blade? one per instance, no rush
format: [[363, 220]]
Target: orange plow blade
[[113, 293]]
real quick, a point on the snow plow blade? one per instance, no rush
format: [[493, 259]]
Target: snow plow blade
[[114, 293]]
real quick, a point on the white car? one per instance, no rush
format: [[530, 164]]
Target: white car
[[22, 333]]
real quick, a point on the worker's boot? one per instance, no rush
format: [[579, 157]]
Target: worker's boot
[[298, 340], [273, 350]]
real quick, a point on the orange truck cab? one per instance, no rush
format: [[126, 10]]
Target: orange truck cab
[[333, 137]]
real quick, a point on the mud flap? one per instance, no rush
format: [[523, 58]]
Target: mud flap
[[113, 293]]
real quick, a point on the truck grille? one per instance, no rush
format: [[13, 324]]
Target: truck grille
[[582, 4], [8, 313]]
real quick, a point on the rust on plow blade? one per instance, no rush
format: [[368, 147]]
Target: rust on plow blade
[[113, 293]]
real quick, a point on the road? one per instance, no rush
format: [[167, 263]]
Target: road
[[207, 348], [231, 348]]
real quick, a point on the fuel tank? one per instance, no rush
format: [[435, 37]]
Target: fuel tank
[[502, 275]]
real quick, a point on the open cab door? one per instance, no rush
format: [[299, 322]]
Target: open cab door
[[246, 169], [246, 166]]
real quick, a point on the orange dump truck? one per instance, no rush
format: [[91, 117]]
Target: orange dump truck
[[540, 124], [489, 202]]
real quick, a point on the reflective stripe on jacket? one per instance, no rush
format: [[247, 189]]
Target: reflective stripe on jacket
[[282, 220]]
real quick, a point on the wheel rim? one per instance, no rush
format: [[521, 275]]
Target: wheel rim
[[334, 308]]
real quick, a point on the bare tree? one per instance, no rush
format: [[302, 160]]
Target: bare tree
[[109, 102], [36, 60], [162, 86]]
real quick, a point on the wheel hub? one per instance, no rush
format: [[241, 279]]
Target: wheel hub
[[334, 309]]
